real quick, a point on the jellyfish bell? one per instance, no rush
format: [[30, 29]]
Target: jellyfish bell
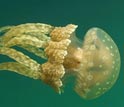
[[73, 59], [96, 64]]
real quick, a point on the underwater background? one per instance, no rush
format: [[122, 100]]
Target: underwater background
[[19, 91]]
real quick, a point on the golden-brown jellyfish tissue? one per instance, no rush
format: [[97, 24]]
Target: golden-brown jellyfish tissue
[[96, 63]]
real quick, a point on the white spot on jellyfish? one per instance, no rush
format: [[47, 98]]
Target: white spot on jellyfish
[[92, 47], [94, 37], [113, 76], [97, 83], [116, 68], [89, 77], [112, 54], [93, 32], [90, 64], [106, 36], [113, 62], [111, 47], [104, 88], [103, 40], [112, 66], [107, 48], [107, 83], [108, 39], [105, 72], [104, 57], [117, 59], [116, 51], [86, 90], [100, 66], [98, 93]]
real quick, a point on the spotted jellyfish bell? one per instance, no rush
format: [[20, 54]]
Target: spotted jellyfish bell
[[100, 65]]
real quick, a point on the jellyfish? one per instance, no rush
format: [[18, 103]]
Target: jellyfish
[[94, 61]]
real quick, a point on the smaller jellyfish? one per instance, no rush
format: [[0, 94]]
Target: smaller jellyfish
[[96, 63]]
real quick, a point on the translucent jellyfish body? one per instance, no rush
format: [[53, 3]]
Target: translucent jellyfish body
[[96, 63]]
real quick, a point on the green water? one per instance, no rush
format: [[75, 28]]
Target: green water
[[19, 91]]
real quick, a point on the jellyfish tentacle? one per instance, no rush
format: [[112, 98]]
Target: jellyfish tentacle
[[19, 30], [29, 43], [1, 42], [20, 57], [5, 29], [26, 40], [20, 69], [39, 35], [37, 51]]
